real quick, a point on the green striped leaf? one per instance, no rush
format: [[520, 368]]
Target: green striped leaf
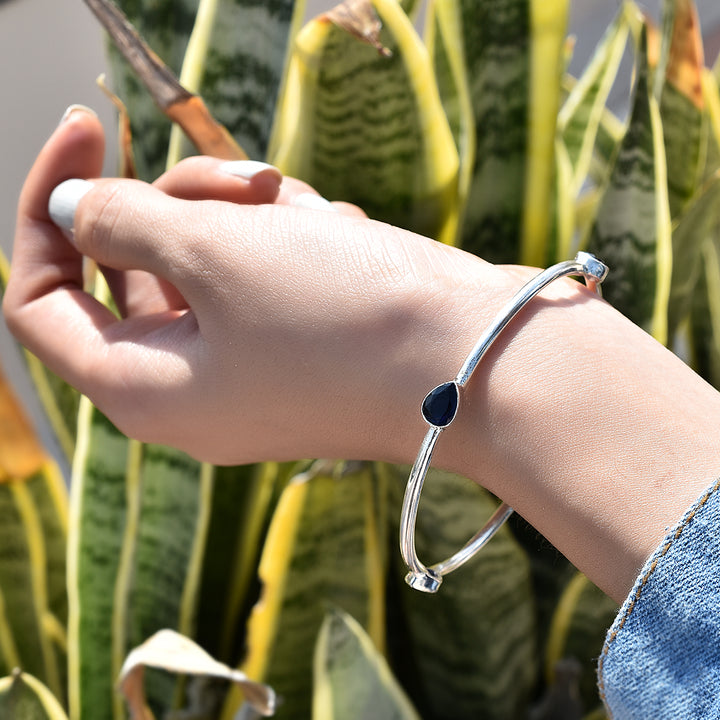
[[235, 59], [632, 231], [470, 650], [669, 13], [23, 697], [166, 26], [367, 128], [577, 632], [549, 569], [685, 127], [444, 43], [697, 225], [610, 133], [60, 401], [514, 54], [705, 317], [321, 549], [98, 510], [165, 522], [48, 494], [24, 585], [352, 680], [711, 96], [242, 498], [582, 112]]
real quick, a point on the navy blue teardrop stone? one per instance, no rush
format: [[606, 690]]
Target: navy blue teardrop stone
[[440, 405]]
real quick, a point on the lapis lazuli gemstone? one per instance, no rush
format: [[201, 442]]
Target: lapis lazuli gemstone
[[440, 405]]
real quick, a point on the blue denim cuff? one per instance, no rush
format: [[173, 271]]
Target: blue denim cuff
[[662, 655]]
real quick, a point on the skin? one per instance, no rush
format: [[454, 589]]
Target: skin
[[255, 330]]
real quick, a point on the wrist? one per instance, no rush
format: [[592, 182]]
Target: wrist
[[594, 432]]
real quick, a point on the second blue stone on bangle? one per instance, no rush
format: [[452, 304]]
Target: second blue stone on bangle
[[441, 404]]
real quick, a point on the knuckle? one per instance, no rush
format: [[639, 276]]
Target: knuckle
[[96, 223]]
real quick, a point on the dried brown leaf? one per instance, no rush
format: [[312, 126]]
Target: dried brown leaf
[[687, 57], [127, 159], [358, 17], [180, 105]]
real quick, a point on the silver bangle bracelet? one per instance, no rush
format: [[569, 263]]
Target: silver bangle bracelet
[[439, 409]]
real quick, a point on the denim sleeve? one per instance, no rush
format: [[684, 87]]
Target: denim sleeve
[[662, 655]]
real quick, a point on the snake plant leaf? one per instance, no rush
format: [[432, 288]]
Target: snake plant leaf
[[98, 510], [577, 632], [711, 95], [163, 544], [9, 653], [99, 500], [610, 133], [632, 229], [181, 106], [170, 651], [685, 127], [235, 60], [549, 569], [469, 650], [443, 40], [143, 80], [563, 223], [515, 52], [241, 503], [48, 494], [352, 680], [24, 585], [691, 231], [370, 129], [582, 112], [669, 15], [166, 27], [705, 316], [23, 697], [321, 549], [33, 504]]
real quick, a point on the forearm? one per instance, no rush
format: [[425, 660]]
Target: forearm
[[595, 433], [257, 332]]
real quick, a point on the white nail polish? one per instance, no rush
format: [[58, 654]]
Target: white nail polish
[[313, 202], [247, 169], [64, 200], [76, 108]]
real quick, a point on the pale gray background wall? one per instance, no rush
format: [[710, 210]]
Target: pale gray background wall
[[51, 52]]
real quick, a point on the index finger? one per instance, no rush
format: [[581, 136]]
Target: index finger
[[45, 290]]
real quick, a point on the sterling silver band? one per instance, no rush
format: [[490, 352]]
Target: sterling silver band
[[439, 410]]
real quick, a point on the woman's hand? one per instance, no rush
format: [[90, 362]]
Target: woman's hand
[[254, 328], [249, 330]]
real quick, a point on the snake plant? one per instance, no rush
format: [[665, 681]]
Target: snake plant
[[473, 133]]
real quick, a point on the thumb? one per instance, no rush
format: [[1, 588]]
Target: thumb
[[126, 225]]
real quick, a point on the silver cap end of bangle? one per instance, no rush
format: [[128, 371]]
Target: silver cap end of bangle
[[592, 268], [427, 581]]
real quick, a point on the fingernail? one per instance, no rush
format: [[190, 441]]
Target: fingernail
[[247, 169], [76, 108], [64, 200], [313, 202]]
